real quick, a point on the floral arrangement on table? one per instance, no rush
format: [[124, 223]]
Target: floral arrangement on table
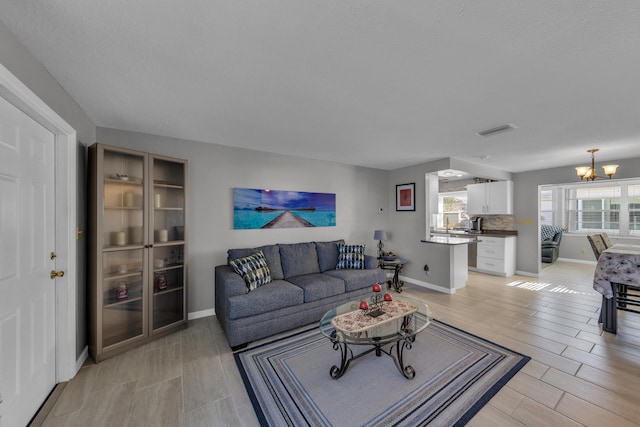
[[375, 308]]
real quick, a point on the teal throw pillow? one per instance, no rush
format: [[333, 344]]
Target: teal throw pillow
[[253, 269], [350, 257]]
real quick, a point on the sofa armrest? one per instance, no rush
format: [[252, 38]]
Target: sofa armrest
[[370, 262], [227, 284], [549, 244]]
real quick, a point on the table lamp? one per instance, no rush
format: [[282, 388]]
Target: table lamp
[[380, 235]]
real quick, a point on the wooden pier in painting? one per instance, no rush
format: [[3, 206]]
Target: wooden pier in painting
[[288, 219]]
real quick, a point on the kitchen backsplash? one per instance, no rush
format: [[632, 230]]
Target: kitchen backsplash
[[497, 222]]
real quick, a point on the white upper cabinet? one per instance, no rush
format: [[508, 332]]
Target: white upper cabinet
[[491, 198], [476, 200]]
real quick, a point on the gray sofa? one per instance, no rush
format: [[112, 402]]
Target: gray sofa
[[305, 285]]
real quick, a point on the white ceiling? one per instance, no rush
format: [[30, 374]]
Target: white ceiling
[[383, 84]]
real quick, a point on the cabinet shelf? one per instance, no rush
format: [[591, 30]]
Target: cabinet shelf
[[169, 243], [113, 302], [124, 208], [110, 300], [130, 181], [120, 276], [168, 268], [123, 247], [165, 184], [168, 290]]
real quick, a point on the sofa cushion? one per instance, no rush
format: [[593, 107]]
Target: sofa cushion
[[358, 279], [318, 286], [328, 254], [253, 269], [271, 253], [299, 259], [350, 257], [276, 295]]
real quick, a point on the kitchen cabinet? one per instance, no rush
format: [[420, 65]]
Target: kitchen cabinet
[[137, 248], [494, 198], [496, 255]]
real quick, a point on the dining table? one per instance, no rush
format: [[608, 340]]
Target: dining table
[[617, 266]]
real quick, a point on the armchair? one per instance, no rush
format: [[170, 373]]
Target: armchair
[[550, 247]]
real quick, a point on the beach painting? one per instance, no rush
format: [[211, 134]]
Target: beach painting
[[255, 208]]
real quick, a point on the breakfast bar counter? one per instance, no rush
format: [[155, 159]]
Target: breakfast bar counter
[[448, 240], [447, 260]]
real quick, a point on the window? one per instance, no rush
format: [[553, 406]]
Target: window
[[594, 209], [633, 200], [612, 207], [452, 209], [546, 207]]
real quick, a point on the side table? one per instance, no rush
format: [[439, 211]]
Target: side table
[[396, 265]]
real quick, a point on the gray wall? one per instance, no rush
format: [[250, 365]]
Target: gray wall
[[214, 171], [526, 212], [406, 229], [17, 59]]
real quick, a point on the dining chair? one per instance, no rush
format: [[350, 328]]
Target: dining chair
[[597, 244]]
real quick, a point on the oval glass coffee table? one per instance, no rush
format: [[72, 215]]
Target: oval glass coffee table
[[391, 333]]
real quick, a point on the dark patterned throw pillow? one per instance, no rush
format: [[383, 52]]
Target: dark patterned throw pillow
[[253, 269], [350, 257]]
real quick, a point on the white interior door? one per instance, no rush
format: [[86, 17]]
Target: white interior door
[[27, 238]]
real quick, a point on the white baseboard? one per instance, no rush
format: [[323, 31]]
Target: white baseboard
[[202, 313], [80, 361], [428, 285], [578, 261], [527, 273]]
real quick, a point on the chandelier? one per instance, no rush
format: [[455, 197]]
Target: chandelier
[[588, 173]]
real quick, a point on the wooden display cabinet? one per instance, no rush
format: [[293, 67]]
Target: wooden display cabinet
[[138, 248]]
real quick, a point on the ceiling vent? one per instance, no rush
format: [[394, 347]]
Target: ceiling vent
[[493, 131]]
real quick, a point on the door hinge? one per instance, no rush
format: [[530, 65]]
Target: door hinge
[[79, 233]]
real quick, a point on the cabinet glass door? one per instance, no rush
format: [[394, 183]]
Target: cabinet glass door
[[122, 295], [123, 200], [123, 222], [168, 302], [168, 285], [168, 201]]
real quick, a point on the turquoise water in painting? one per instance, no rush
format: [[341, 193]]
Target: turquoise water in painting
[[318, 218], [252, 219]]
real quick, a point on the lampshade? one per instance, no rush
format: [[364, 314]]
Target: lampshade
[[379, 235], [582, 171], [610, 169]]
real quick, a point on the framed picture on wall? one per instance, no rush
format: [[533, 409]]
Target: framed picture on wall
[[265, 209], [406, 197]]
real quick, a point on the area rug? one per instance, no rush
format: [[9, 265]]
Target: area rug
[[457, 373]]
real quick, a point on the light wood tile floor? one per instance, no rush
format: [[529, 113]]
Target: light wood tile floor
[[578, 375]]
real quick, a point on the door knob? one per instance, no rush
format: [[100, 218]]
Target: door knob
[[55, 274]]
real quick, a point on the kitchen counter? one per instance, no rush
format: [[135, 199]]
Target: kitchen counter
[[448, 240], [489, 233]]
